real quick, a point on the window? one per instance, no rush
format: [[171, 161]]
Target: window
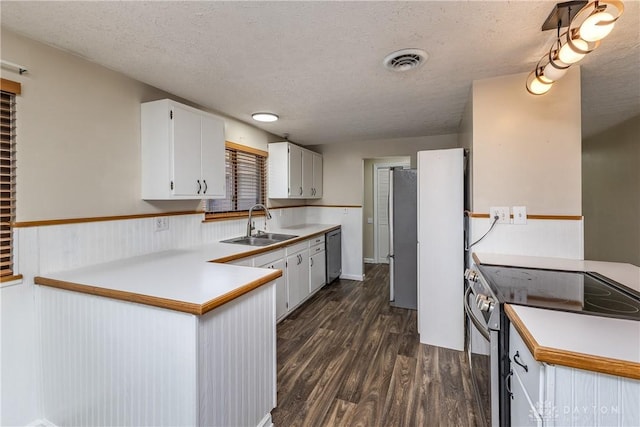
[[245, 177], [8, 91]]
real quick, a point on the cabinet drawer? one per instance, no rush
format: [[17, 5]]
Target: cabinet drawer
[[268, 257], [520, 358], [316, 249], [297, 247], [317, 240]]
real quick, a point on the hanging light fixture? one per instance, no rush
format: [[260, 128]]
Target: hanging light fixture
[[587, 24]]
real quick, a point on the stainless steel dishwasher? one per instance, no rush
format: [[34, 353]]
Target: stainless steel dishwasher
[[333, 242]]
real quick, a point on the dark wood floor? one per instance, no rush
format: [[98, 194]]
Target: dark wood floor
[[346, 358]]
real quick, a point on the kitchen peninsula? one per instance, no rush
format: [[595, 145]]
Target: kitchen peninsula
[[167, 338], [570, 368]]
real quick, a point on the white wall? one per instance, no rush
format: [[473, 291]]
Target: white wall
[[78, 136], [343, 163], [527, 149]]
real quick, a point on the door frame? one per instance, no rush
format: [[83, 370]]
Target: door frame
[[381, 165]]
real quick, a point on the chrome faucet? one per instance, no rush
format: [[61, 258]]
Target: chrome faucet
[[250, 226]]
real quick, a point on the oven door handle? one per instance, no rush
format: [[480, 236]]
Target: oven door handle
[[484, 331]]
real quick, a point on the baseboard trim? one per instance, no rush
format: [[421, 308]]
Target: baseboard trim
[[266, 421], [369, 261], [358, 277], [41, 423]]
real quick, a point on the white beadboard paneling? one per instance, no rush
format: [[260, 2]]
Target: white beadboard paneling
[[543, 238], [237, 361], [109, 362], [67, 246], [584, 399]]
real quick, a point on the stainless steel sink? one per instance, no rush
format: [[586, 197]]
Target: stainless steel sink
[[261, 239]]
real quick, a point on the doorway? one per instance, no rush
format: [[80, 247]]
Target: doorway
[[376, 207]]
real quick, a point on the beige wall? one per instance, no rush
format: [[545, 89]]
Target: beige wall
[[78, 133], [527, 149], [611, 193], [343, 163]]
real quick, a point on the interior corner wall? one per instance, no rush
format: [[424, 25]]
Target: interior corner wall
[[611, 193], [343, 163], [78, 136], [526, 148]]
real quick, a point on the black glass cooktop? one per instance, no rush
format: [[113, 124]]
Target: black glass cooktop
[[587, 293]]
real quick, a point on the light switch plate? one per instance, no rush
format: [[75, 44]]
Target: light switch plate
[[369, 220], [502, 212], [520, 215]]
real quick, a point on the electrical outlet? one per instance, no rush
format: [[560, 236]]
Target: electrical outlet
[[161, 223], [520, 215], [502, 212]]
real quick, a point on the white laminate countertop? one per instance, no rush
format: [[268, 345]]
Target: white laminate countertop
[[601, 344], [180, 279]]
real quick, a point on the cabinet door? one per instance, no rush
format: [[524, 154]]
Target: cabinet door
[[307, 174], [523, 412], [213, 163], [186, 152], [295, 171], [317, 271], [298, 277], [317, 176]]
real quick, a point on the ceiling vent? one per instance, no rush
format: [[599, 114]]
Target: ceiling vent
[[405, 59]]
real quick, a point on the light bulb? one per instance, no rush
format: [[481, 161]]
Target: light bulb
[[536, 86], [552, 73], [570, 56], [591, 31]]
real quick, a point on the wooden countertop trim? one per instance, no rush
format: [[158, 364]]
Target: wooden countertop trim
[[551, 217], [185, 307], [269, 248], [47, 222], [571, 359]]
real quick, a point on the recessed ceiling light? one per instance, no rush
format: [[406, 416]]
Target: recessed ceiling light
[[264, 117]]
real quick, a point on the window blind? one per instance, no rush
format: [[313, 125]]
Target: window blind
[[245, 181], [7, 181]]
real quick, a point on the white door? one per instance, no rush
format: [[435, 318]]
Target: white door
[[295, 171], [382, 214], [186, 152], [213, 167], [307, 174], [317, 176]]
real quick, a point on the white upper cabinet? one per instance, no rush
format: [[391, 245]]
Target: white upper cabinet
[[182, 152], [292, 174], [317, 176]]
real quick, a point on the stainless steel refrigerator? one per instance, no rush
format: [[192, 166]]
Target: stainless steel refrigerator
[[403, 237]]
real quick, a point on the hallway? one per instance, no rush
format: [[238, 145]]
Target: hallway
[[346, 358]]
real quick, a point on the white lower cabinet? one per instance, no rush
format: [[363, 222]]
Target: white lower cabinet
[[554, 395], [297, 266], [303, 268], [275, 260]]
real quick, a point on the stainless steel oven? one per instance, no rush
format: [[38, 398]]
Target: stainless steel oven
[[489, 287]]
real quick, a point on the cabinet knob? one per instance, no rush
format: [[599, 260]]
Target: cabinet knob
[[199, 186], [205, 186], [301, 191], [311, 261]]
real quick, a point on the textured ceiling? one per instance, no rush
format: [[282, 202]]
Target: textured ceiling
[[319, 64]]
